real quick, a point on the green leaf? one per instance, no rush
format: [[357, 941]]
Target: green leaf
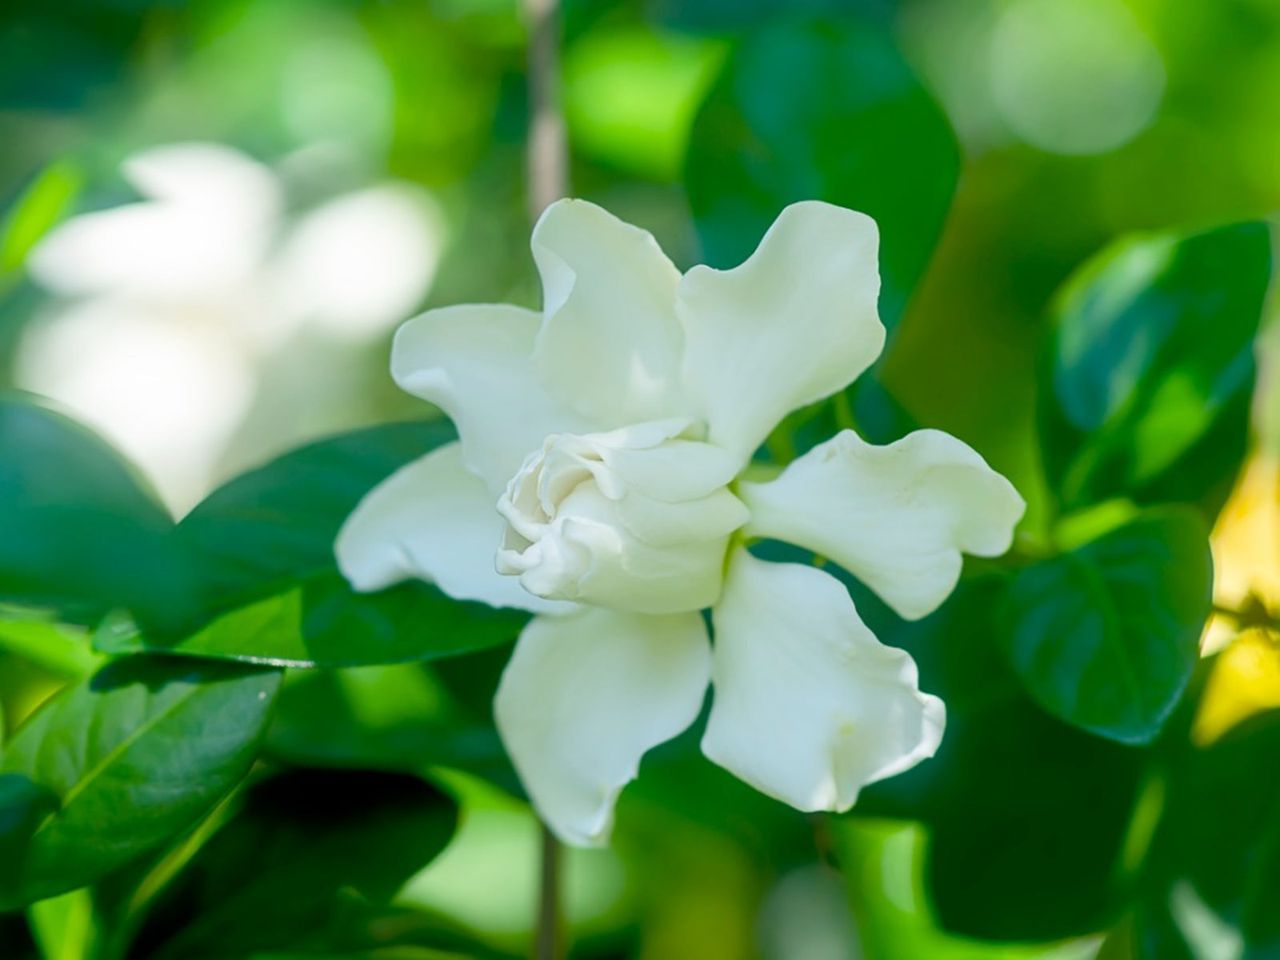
[[273, 526], [45, 201], [306, 844], [65, 927], [1106, 636], [1150, 366], [823, 110], [270, 590], [403, 717], [1213, 880], [884, 861], [133, 756], [23, 806], [323, 622], [79, 534], [58, 648], [1027, 815]]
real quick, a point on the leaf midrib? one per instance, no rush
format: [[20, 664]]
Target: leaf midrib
[[115, 753]]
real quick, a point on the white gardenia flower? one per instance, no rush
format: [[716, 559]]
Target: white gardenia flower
[[598, 483]]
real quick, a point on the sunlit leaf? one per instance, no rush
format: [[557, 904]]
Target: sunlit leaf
[[1150, 367], [1245, 682], [630, 96], [41, 205], [64, 926], [58, 648], [132, 756]]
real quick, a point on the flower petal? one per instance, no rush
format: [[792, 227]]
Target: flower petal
[[202, 232], [169, 395], [435, 521], [896, 516], [610, 342], [361, 262], [794, 323], [474, 362], [585, 696], [809, 706]]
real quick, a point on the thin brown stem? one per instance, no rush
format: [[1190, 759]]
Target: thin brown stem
[[547, 148], [1251, 613], [548, 180], [549, 943]]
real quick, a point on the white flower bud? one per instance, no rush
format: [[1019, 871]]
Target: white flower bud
[[634, 519]]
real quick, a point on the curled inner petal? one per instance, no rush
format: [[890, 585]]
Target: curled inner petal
[[591, 519]]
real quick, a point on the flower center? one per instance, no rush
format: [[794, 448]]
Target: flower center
[[633, 519]]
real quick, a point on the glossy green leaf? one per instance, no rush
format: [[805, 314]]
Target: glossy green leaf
[[1150, 366], [270, 590], [1106, 636], [823, 110], [133, 756], [79, 534], [305, 844], [322, 622]]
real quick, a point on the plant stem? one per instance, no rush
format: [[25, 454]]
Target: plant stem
[[547, 177], [549, 944], [547, 149], [1252, 613]]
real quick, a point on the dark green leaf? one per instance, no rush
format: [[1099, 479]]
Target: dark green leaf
[[304, 846], [323, 622], [23, 806], [1106, 636], [275, 525], [1150, 366], [270, 589], [823, 111], [721, 15], [133, 755], [78, 532], [398, 717], [1214, 876], [1027, 816]]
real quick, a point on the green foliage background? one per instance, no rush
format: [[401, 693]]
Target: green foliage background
[[212, 748]]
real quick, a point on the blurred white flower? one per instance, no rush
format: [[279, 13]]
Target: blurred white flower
[[610, 431], [174, 303]]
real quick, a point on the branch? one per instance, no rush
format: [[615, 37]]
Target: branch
[[547, 148], [548, 177]]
